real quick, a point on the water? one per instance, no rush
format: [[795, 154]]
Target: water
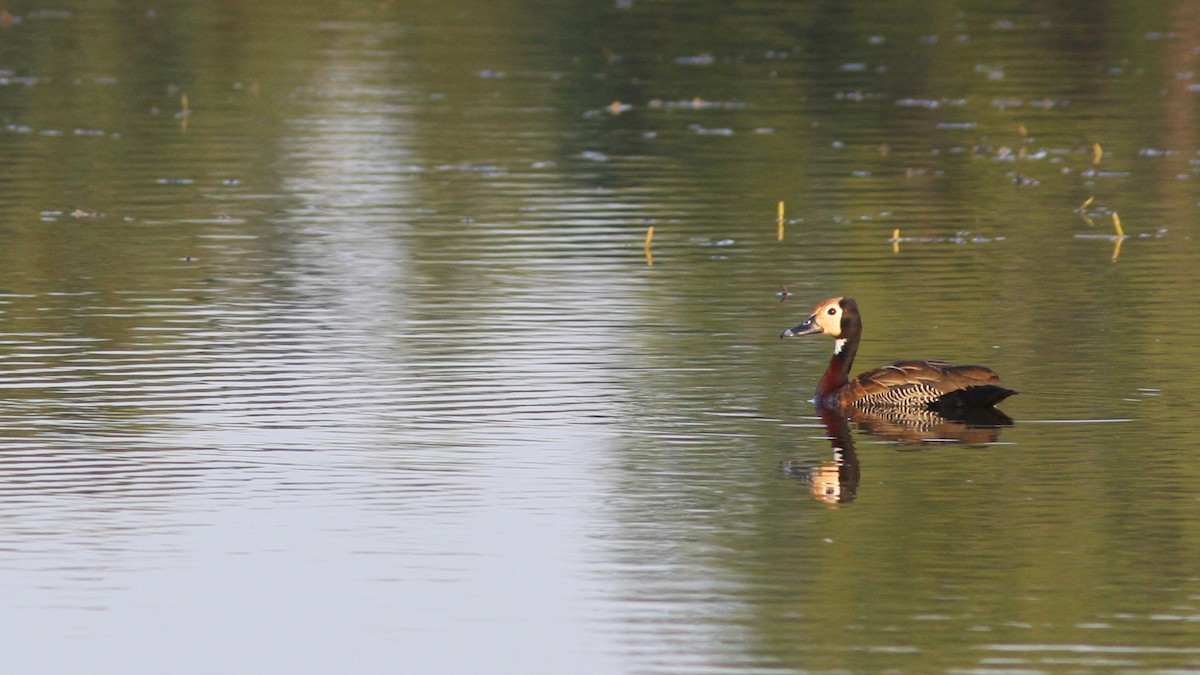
[[329, 338]]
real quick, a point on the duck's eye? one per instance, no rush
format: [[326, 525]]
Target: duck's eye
[[832, 311]]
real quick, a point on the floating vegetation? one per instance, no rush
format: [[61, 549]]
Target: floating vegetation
[[696, 103], [858, 95], [1047, 103], [1097, 153], [1087, 218], [185, 112], [1118, 236], [1156, 234], [959, 238], [1094, 173], [53, 215], [646, 246], [780, 222], [705, 131], [616, 108], [49, 15], [9, 78], [992, 72], [1042, 103], [1084, 214], [486, 169], [931, 102]]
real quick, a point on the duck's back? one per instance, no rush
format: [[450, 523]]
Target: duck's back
[[936, 385]]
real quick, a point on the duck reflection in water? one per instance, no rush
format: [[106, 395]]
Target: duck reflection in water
[[911, 402], [836, 481]]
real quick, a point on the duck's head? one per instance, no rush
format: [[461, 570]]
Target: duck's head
[[836, 317]]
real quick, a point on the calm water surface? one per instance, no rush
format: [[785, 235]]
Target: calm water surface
[[329, 340]]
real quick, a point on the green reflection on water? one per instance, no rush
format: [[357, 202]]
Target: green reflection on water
[[407, 176]]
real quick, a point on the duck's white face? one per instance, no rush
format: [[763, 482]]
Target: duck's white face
[[827, 317]]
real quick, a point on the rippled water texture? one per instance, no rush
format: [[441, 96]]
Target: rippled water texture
[[336, 338]]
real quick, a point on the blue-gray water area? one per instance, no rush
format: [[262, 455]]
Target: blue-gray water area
[[413, 337]]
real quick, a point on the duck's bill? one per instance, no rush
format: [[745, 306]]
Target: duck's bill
[[807, 328]]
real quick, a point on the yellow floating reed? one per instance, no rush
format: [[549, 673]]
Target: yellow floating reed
[[184, 113], [1097, 153], [779, 221], [1117, 225]]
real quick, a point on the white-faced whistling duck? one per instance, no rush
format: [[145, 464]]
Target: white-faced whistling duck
[[932, 385]]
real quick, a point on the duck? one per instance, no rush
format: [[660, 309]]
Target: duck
[[930, 385]]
